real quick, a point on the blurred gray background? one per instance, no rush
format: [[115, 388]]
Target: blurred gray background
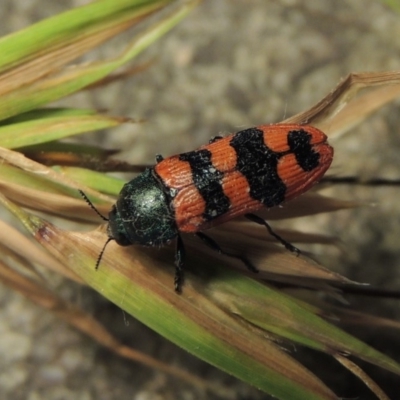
[[231, 64]]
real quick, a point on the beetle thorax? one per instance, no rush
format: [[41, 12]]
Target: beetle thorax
[[142, 214]]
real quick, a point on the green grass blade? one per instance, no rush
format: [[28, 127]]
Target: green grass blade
[[286, 317], [67, 27], [48, 129], [95, 180], [41, 113], [144, 288], [19, 96]]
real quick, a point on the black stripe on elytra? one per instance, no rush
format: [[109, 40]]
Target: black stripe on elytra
[[208, 181], [258, 164], [299, 142]]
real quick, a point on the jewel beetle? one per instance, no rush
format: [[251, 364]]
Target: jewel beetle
[[231, 176]]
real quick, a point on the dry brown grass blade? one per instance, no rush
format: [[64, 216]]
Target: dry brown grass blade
[[270, 259], [23, 247], [88, 161], [355, 318], [91, 327], [117, 76], [357, 371], [306, 205], [292, 236], [51, 203], [358, 110], [56, 204], [325, 110], [20, 161]]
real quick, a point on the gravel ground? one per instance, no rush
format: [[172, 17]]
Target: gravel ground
[[230, 64]]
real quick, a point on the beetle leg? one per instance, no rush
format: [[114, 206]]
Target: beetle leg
[[261, 221], [215, 246], [179, 263], [159, 158]]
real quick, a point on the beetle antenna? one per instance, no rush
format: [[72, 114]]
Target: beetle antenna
[[91, 205], [102, 252]]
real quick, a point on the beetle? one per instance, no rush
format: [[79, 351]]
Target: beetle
[[229, 177]]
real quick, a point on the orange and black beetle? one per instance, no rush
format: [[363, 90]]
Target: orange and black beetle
[[229, 177]]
